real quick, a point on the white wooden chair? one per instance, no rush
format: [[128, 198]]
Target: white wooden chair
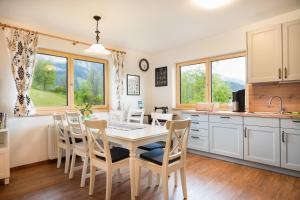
[[135, 116], [79, 143], [155, 122], [156, 145], [168, 160], [116, 116], [101, 156], [63, 141]]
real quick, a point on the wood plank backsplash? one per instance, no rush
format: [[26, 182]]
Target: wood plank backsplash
[[259, 95]]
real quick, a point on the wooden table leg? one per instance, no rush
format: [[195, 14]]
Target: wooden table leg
[[132, 167]]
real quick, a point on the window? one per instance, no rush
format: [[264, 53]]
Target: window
[[228, 76], [89, 82], [193, 81], [49, 85], [65, 81], [210, 80]]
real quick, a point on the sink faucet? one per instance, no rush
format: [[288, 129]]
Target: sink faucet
[[281, 107]]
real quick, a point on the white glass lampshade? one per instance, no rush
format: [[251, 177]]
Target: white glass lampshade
[[97, 49]]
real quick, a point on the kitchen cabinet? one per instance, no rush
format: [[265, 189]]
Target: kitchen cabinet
[[261, 141], [198, 138], [264, 55], [291, 49], [273, 53], [290, 144], [225, 137]]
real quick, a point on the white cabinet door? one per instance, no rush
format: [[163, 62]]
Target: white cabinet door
[[264, 49], [291, 50], [262, 145], [226, 139], [290, 149], [198, 142]]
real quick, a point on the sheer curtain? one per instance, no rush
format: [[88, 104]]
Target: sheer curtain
[[22, 46]]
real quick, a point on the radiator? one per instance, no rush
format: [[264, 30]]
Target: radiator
[[52, 142]]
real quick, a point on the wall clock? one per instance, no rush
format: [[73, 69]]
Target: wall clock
[[144, 64]]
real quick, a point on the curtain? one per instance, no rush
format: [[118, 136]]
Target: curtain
[[22, 46], [118, 64]]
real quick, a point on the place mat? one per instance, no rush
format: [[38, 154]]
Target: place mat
[[125, 126]]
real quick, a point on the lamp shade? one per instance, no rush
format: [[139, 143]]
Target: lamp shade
[[97, 49]]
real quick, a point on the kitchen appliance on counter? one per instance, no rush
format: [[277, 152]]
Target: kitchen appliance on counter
[[3, 117], [238, 101]]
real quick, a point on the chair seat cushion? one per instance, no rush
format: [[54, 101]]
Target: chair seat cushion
[[152, 146], [156, 156], [77, 140], [117, 154]]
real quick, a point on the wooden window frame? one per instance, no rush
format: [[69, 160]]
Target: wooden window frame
[[70, 82], [208, 77]]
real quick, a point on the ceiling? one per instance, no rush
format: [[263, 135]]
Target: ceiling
[[149, 26]]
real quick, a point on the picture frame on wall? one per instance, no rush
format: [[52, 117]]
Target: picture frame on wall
[[133, 85], [161, 76]]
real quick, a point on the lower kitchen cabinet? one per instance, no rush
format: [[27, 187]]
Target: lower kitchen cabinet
[[290, 148], [226, 139], [198, 142], [262, 145]]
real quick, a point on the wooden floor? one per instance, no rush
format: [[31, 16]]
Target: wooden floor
[[207, 179]]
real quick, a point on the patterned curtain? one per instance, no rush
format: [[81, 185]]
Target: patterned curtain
[[118, 64], [22, 47]]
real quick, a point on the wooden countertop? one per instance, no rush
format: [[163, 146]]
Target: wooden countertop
[[245, 114]]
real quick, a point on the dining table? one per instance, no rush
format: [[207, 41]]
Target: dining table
[[132, 136]]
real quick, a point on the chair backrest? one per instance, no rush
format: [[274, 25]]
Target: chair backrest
[[96, 133], [160, 116], [135, 116], [76, 130], [116, 116], [61, 132], [176, 145]]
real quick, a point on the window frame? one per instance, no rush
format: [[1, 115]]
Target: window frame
[[208, 76], [70, 81]]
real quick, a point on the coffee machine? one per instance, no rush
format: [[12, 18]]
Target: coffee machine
[[238, 101]]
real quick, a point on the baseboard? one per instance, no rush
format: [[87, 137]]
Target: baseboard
[[247, 163], [33, 164]]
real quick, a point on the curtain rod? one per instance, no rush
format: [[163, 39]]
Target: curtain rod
[[56, 37]]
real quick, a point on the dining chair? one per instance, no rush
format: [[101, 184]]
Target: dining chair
[[135, 116], [102, 156], [116, 116], [63, 141], [168, 160], [156, 117], [79, 143]]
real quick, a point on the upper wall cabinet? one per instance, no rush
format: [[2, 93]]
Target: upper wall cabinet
[[264, 48], [273, 53], [291, 50]]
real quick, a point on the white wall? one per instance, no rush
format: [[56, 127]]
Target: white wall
[[228, 42], [29, 137]]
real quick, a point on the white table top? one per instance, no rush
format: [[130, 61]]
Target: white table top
[[147, 132]]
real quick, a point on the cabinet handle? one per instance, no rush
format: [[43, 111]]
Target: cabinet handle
[[195, 115], [285, 73], [195, 137], [225, 117], [282, 136], [195, 130], [279, 73], [296, 121], [195, 122], [245, 132]]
